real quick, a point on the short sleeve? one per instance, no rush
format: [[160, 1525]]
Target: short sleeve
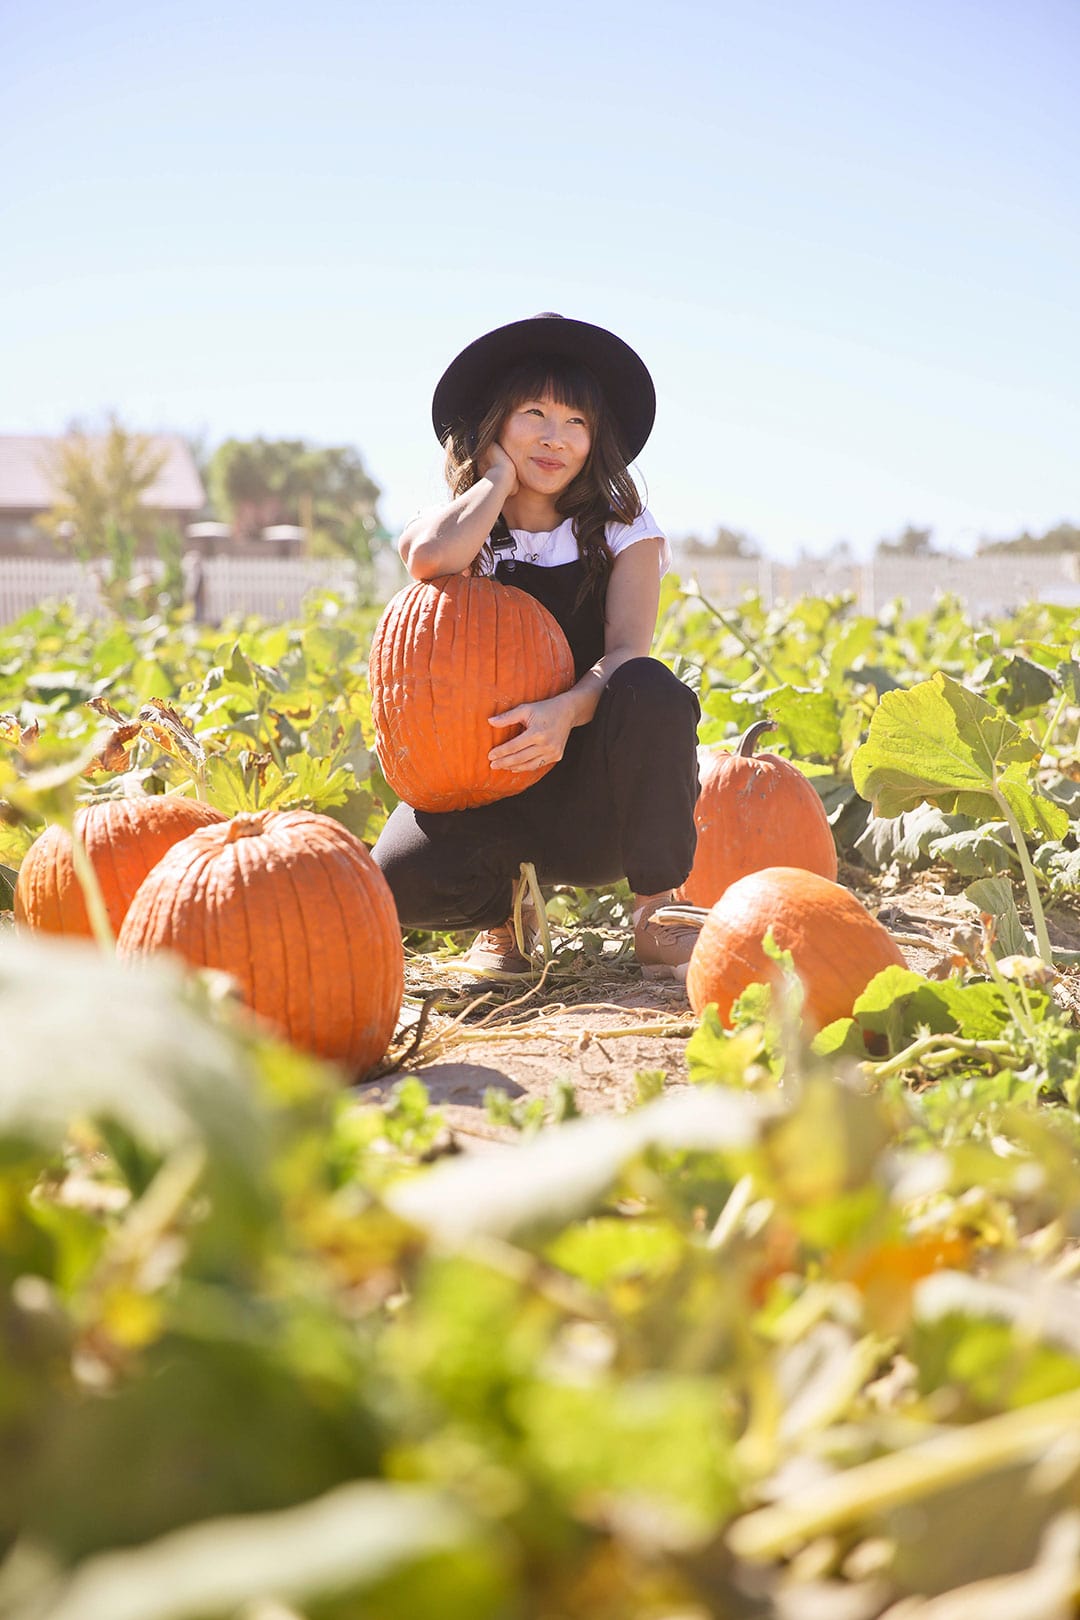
[[645, 527]]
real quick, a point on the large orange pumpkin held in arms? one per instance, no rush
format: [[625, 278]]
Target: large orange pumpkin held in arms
[[755, 810], [835, 944], [447, 655], [124, 839], [291, 904]]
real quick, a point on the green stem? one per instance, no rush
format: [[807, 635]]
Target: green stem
[[740, 636], [1046, 950], [1052, 727], [875, 1487], [96, 910], [530, 886], [265, 731], [912, 1055], [739, 1200], [1017, 1004]]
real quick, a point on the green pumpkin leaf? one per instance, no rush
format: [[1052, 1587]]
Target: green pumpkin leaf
[[977, 851], [1022, 687], [994, 897], [905, 840], [940, 743]]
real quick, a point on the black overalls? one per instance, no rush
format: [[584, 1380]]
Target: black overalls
[[620, 802]]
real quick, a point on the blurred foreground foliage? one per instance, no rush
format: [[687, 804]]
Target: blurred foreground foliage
[[794, 1345], [799, 1341]]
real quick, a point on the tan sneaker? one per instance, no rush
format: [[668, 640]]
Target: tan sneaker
[[494, 952], [664, 938]]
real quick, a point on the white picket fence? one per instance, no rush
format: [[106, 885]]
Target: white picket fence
[[222, 587], [26, 582], [275, 587], [272, 587], [989, 584]]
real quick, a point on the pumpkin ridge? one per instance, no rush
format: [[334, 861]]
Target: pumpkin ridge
[[376, 915], [182, 926], [444, 624], [344, 858], [317, 878], [337, 861], [154, 903], [279, 925], [95, 833], [236, 906], [468, 637], [306, 1002]]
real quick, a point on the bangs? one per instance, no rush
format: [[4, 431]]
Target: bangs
[[567, 382]]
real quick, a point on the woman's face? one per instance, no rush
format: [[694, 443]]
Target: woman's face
[[547, 442]]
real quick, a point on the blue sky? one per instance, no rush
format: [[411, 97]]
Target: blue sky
[[844, 236]]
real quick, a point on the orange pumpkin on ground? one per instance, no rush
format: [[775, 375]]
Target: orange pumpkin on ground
[[835, 944], [754, 811], [291, 904], [124, 839], [447, 655]]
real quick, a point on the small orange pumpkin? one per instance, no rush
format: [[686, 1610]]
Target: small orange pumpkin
[[448, 654], [290, 904], [835, 944], [755, 810], [124, 839]]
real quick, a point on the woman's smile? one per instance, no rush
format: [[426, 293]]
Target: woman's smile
[[548, 443]]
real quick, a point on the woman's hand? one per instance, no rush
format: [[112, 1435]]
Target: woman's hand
[[493, 459], [547, 726]]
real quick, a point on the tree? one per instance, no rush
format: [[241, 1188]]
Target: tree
[[100, 482], [734, 543], [100, 513], [913, 542], [724, 543], [1062, 537], [327, 491]]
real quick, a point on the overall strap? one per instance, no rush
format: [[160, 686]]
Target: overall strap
[[500, 539]]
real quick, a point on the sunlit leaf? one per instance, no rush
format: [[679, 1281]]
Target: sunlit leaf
[[941, 743], [549, 1179], [346, 1541]]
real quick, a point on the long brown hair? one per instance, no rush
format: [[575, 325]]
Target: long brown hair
[[602, 491]]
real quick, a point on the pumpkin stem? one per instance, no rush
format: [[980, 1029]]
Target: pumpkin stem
[[245, 824], [748, 740]]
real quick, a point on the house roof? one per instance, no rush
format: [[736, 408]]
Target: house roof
[[25, 483]]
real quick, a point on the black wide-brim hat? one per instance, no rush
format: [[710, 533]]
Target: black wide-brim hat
[[465, 389]]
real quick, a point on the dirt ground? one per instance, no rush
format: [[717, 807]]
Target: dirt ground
[[600, 1026]]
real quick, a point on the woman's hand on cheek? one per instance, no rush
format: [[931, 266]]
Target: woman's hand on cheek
[[493, 459], [547, 726]]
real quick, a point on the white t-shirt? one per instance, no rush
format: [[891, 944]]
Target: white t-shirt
[[550, 548]]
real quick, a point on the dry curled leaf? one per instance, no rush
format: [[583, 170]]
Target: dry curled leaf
[[13, 732], [170, 732], [259, 764], [102, 706], [114, 755]]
